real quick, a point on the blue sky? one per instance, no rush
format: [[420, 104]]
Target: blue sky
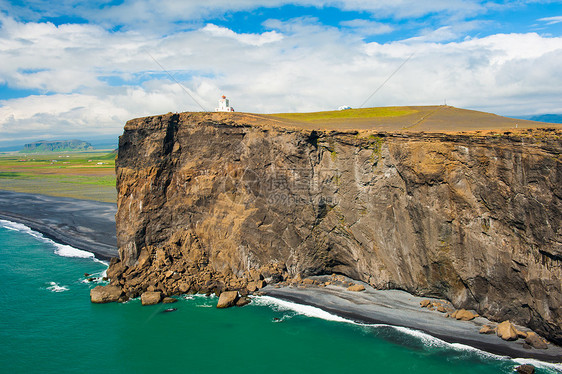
[[82, 68]]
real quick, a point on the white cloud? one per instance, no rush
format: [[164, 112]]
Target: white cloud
[[299, 65], [551, 20], [366, 27], [251, 39]]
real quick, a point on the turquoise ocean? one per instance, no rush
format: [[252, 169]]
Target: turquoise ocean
[[48, 325]]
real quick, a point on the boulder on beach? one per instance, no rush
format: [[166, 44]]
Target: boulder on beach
[[506, 331], [105, 294], [464, 315], [356, 288], [425, 303], [227, 299], [535, 341], [151, 297], [486, 329]]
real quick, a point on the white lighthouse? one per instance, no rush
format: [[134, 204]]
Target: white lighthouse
[[224, 105]]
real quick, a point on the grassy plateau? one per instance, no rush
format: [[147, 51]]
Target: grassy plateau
[[81, 175]]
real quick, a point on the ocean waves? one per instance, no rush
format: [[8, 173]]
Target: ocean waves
[[425, 339], [62, 250]]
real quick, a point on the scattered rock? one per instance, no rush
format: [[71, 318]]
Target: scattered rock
[[525, 369], [425, 303], [86, 275], [506, 331], [535, 341], [521, 334], [308, 281], [441, 309], [169, 300], [243, 301], [227, 299], [105, 294], [252, 287], [151, 297], [486, 329], [356, 288], [464, 315]]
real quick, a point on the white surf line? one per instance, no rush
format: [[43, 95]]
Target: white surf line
[[62, 250], [427, 339]]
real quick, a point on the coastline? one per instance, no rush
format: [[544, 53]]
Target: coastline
[[90, 226], [401, 309], [83, 224]]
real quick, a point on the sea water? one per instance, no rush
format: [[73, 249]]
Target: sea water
[[48, 325]]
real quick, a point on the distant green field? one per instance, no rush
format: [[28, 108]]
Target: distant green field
[[87, 175], [381, 112]]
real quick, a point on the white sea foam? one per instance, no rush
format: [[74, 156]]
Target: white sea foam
[[539, 364], [54, 287], [60, 249], [428, 340], [68, 251], [307, 310]]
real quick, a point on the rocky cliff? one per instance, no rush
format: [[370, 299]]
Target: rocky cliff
[[206, 200]]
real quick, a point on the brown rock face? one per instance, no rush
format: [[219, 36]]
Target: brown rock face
[[472, 219]]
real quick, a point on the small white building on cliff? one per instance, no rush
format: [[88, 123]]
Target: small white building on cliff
[[224, 105]]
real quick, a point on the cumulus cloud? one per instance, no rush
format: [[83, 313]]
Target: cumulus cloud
[[90, 80]]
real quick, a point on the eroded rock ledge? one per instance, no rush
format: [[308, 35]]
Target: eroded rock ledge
[[210, 202]]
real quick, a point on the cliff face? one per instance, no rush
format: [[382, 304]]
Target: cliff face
[[204, 198]]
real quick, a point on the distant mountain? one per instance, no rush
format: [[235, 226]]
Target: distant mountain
[[549, 118], [43, 146]]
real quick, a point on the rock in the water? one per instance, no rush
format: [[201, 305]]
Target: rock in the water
[[535, 341], [105, 294], [169, 300], [227, 299], [525, 369], [151, 297], [243, 301], [464, 315], [486, 329], [506, 331], [356, 288]]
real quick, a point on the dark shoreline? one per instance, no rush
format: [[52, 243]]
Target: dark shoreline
[[83, 224], [90, 226], [398, 308]]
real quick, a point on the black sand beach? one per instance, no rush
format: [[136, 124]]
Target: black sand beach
[[83, 224], [90, 226], [399, 308]]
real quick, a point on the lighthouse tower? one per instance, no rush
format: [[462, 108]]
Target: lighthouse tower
[[224, 105]]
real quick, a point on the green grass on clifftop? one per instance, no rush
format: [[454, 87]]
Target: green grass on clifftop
[[382, 112]]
